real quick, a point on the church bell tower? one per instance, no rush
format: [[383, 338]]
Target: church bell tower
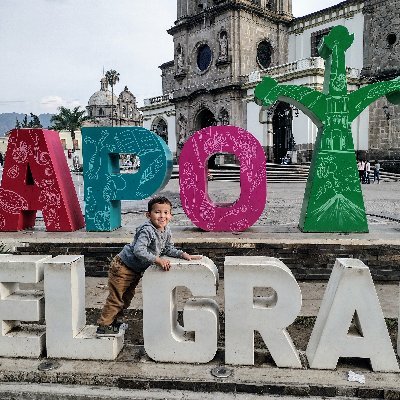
[[217, 44]]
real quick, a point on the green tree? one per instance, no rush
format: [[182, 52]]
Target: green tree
[[17, 124], [25, 122], [35, 122], [112, 77], [70, 120]]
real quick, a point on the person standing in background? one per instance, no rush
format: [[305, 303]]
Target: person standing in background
[[360, 167], [367, 172], [376, 171]]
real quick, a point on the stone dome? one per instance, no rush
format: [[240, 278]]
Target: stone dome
[[103, 96]]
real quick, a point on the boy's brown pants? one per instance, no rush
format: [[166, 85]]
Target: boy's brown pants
[[122, 283]]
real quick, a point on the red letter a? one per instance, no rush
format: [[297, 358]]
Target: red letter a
[[36, 177]]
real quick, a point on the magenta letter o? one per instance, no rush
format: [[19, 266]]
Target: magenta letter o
[[246, 210]]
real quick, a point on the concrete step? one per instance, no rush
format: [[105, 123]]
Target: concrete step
[[275, 173], [134, 376], [388, 176]]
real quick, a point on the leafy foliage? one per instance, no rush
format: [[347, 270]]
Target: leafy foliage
[[34, 122], [112, 77], [70, 120]]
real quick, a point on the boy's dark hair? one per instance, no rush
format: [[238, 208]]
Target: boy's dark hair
[[158, 200]]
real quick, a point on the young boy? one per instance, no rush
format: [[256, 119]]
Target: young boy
[[152, 240]]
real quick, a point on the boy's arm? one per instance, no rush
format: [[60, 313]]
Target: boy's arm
[[189, 257], [141, 246], [141, 251]]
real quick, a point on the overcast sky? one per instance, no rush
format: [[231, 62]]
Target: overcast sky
[[52, 52]]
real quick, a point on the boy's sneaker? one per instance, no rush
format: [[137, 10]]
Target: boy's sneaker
[[122, 326], [109, 330]]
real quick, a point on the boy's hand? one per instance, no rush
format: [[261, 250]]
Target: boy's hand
[[188, 257], [163, 263]]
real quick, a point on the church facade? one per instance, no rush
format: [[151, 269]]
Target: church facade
[[223, 48], [106, 109]]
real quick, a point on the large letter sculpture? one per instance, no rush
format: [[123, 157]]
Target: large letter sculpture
[[36, 177], [196, 203], [105, 187], [164, 338], [67, 335], [17, 340], [333, 199], [269, 315], [351, 293]]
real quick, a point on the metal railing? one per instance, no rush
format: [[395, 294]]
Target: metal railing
[[297, 66]]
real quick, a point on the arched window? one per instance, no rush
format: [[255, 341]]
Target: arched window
[[223, 117], [204, 118], [160, 128]]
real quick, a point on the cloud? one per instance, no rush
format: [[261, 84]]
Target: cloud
[[51, 103]]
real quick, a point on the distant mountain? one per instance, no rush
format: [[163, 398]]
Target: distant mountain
[[8, 120]]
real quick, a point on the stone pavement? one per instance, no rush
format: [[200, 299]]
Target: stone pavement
[[279, 219]]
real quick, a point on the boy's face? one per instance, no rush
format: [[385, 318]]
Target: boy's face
[[160, 215]]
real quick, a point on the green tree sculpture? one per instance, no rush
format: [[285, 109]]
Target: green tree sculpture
[[333, 200]]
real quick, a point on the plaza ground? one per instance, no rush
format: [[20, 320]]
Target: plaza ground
[[133, 370]]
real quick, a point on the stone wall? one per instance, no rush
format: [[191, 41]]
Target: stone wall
[[311, 261], [384, 131], [382, 62], [304, 152], [382, 39]]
